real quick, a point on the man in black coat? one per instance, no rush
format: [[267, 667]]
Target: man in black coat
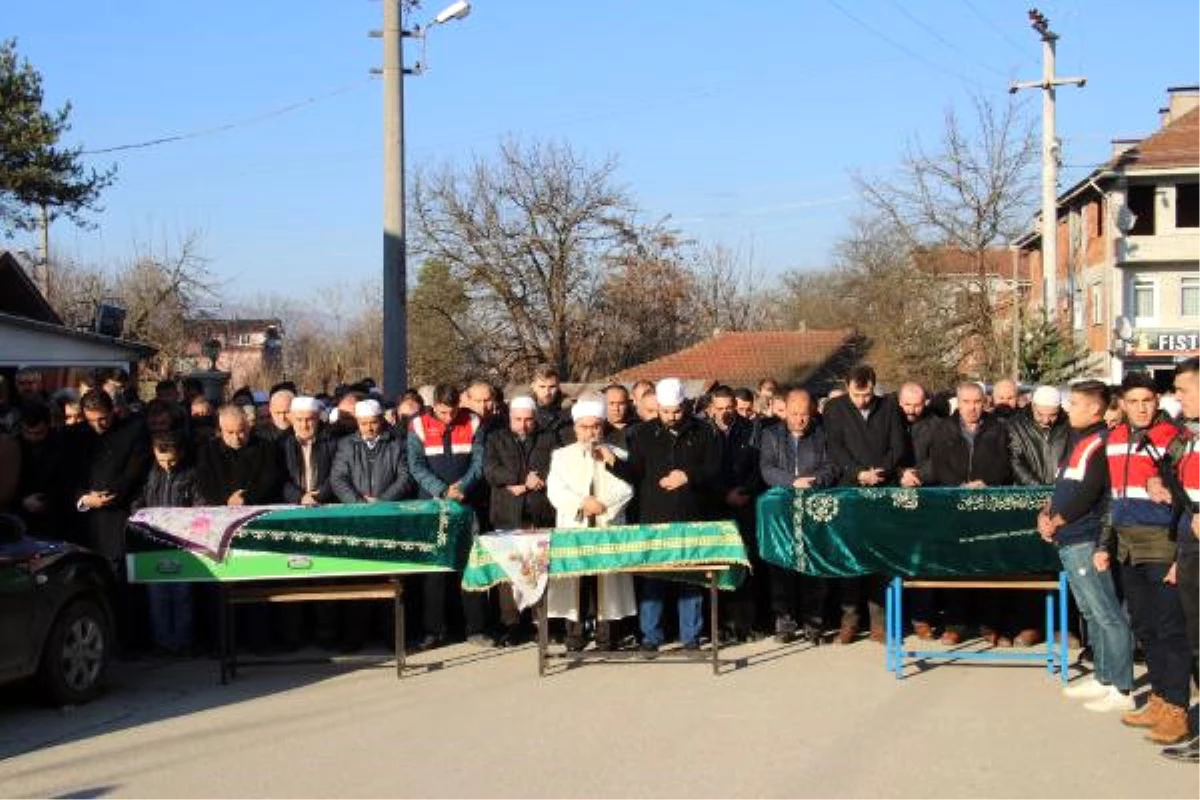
[[867, 446], [113, 457], [741, 484], [674, 466], [1037, 438], [516, 461], [552, 420], [44, 497], [968, 449], [306, 456], [237, 469]]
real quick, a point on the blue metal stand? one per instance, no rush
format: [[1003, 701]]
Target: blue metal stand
[[1054, 657]]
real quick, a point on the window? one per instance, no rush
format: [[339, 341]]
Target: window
[[1077, 310], [1097, 305], [1096, 215], [1140, 201], [1189, 297], [1187, 205], [243, 339], [1145, 305]]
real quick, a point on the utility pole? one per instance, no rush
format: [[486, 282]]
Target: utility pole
[[1050, 155], [395, 246]]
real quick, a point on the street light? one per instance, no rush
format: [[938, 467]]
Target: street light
[[395, 245]]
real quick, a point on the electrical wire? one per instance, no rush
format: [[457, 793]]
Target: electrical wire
[[179, 137], [1023, 51], [898, 45], [951, 45]]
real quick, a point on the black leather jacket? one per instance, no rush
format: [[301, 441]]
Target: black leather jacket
[[1035, 452]]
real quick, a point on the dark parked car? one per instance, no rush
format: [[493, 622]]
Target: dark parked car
[[56, 619]]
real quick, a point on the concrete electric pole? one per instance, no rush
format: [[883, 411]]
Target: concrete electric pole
[[1050, 156], [395, 245]]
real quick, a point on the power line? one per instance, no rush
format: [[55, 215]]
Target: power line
[[229, 125], [928, 29], [898, 45], [975, 10]]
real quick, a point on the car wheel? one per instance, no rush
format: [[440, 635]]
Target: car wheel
[[77, 651]]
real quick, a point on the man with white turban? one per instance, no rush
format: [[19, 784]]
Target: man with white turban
[[370, 465], [586, 495], [674, 465], [306, 454]]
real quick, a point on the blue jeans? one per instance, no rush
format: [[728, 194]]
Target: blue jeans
[[171, 616], [650, 610], [1108, 628]]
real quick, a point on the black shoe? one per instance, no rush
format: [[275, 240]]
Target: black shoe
[[430, 642], [692, 649], [812, 634], [575, 644], [785, 628], [511, 637], [1188, 752], [648, 651]]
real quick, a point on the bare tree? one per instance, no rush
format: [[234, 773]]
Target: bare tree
[[729, 291], [970, 194], [528, 235], [159, 292]]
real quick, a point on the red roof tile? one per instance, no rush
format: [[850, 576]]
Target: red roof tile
[[743, 358], [1176, 145]]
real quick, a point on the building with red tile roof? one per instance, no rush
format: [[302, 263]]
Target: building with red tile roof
[[816, 358]]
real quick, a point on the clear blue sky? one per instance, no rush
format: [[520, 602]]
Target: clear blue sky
[[742, 121]]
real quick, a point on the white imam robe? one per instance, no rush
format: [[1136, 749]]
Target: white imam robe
[[574, 475]]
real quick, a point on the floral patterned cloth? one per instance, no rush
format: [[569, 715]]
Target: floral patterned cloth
[[524, 557], [207, 529]]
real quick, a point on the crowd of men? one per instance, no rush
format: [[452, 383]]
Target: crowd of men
[[1122, 516]]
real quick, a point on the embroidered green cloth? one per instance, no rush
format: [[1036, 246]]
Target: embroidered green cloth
[[434, 533], [629, 548], [185, 566], [934, 532]]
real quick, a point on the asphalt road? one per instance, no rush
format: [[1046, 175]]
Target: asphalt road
[[787, 721]]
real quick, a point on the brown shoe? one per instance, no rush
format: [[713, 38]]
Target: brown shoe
[[923, 631], [1029, 637], [1146, 716], [846, 634], [877, 634], [951, 637], [989, 635], [1172, 725]]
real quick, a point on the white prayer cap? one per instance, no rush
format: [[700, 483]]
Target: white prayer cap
[[669, 393], [367, 408], [587, 408], [1047, 397], [305, 404], [260, 396], [522, 403]]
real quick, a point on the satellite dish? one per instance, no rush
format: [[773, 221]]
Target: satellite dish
[[1124, 329], [1126, 219]]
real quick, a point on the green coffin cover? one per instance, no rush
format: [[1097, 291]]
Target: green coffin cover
[[427, 532], [184, 566], [931, 532], [641, 548]]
